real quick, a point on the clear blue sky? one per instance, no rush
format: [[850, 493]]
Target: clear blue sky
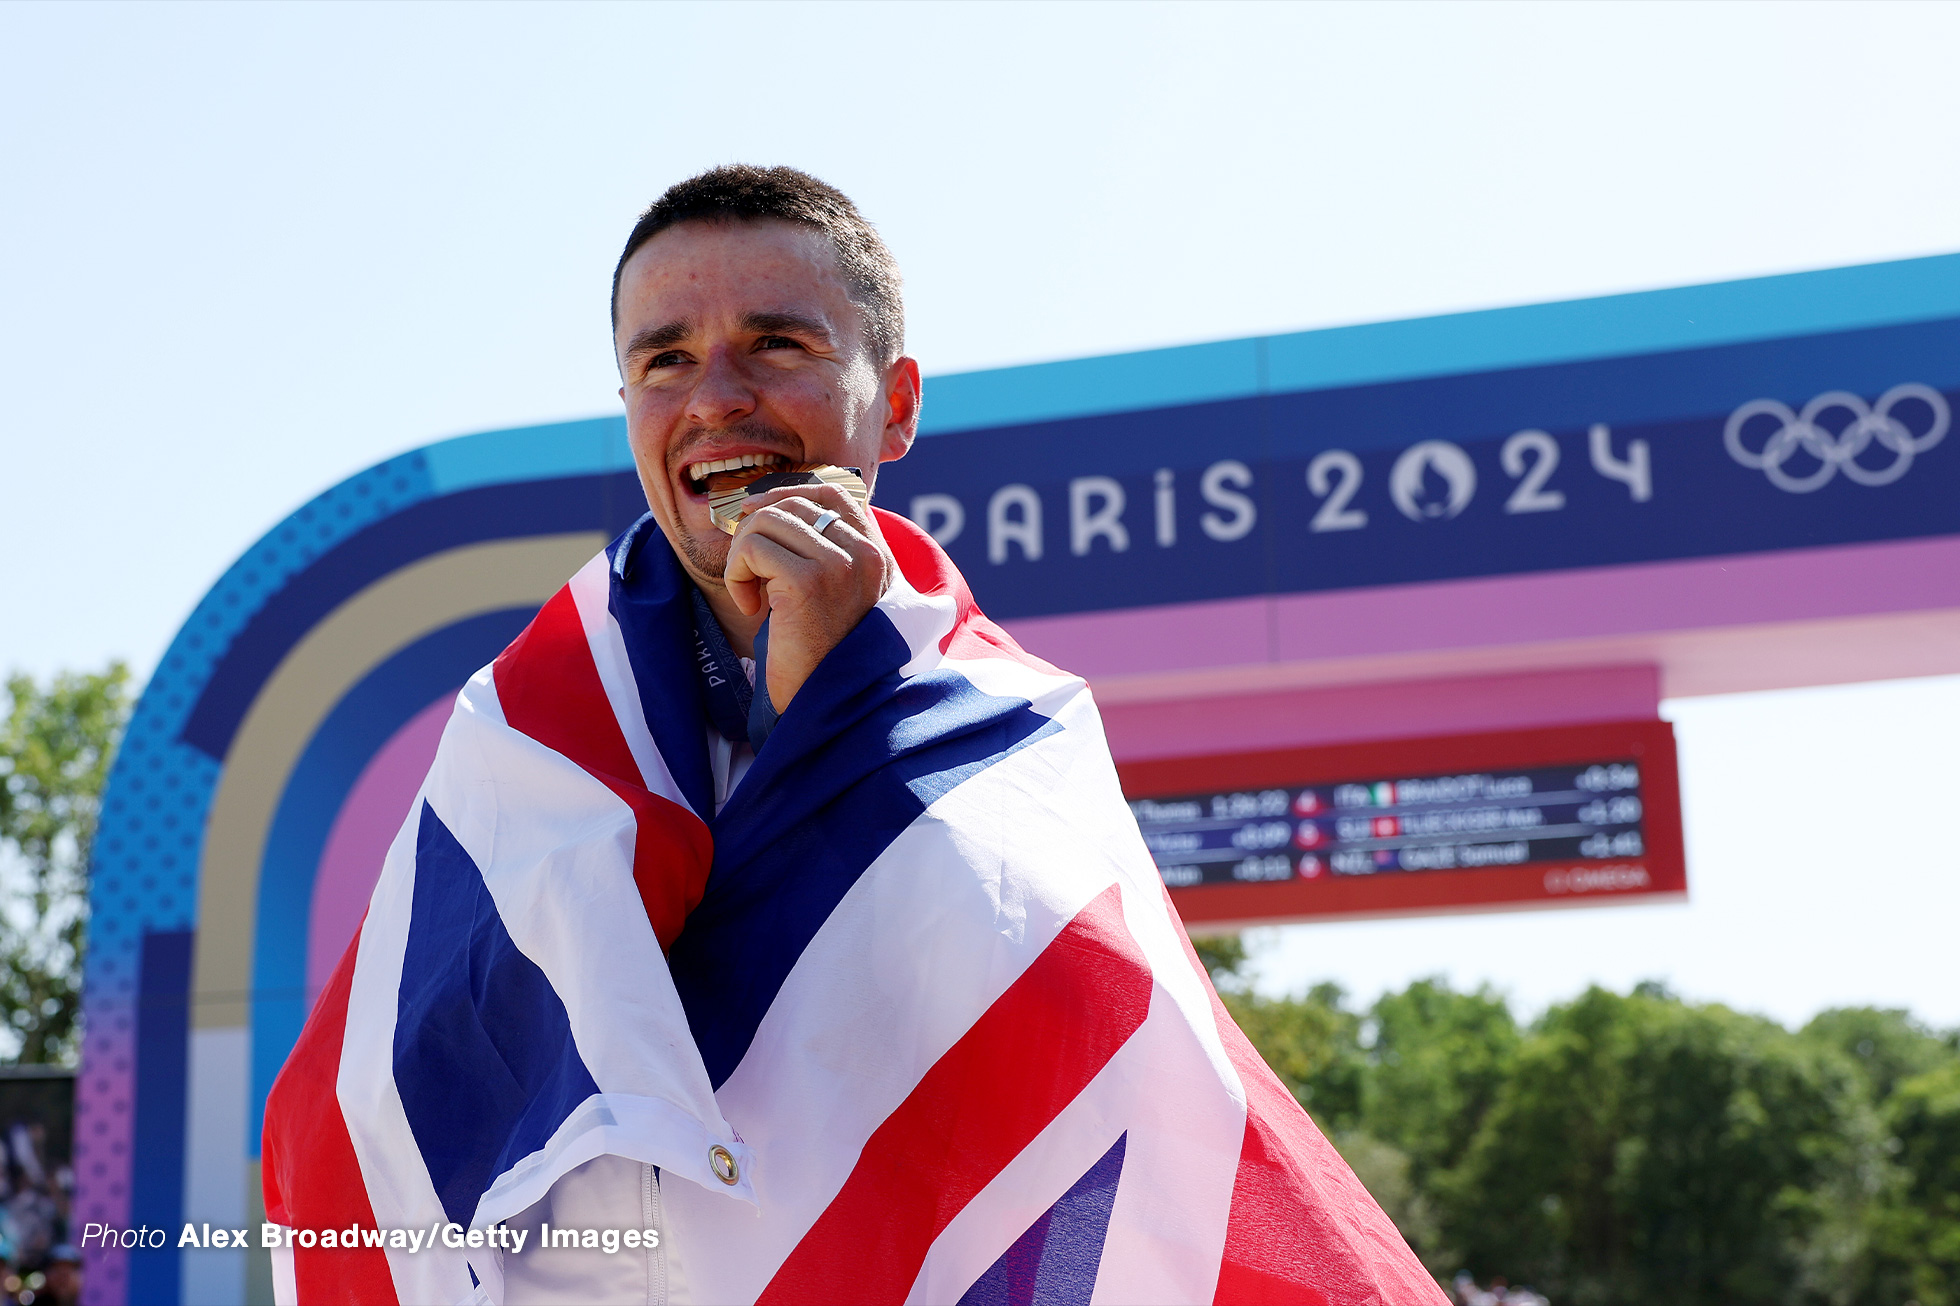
[[250, 249]]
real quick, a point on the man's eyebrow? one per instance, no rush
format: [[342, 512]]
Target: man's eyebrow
[[786, 324], [649, 339]]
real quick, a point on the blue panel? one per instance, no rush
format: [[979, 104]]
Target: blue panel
[[143, 865], [1655, 321], [484, 1057], [1155, 378], [156, 1188], [380, 704], [1703, 501], [1688, 317], [1056, 1261], [594, 446], [854, 761]]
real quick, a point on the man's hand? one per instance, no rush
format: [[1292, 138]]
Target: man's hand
[[816, 587]]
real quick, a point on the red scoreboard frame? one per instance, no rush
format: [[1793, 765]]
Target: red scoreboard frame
[[1658, 872]]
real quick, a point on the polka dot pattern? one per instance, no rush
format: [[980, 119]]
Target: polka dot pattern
[[150, 840]]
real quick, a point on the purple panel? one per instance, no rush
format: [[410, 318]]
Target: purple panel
[[1460, 619], [350, 863]]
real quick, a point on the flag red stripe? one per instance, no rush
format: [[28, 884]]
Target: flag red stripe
[[311, 1176], [980, 1105], [550, 690], [1302, 1230], [928, 570]]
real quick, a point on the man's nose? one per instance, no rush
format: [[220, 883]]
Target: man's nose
[[722, 393]]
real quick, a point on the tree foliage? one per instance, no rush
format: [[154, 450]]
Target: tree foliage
[[1222, 955], [1638, 1148], [55, 745], [1916, 1242], [1645, 1149], [1313, 1045], [1438, 1060]]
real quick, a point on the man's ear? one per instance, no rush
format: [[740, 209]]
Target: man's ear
[[902, 400]]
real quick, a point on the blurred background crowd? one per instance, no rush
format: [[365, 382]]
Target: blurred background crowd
[[38, 1262]]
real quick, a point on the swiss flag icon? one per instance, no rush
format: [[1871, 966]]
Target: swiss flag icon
[[1387, 827]]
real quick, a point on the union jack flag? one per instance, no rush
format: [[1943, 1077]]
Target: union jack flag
[[910, 1019]]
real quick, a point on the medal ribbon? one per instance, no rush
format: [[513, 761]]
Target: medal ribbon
[[736, 710]]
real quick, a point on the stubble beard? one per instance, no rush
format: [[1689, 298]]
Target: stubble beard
[[706, 560]]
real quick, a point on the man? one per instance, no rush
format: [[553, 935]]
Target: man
[[771, 926], [64, 1283]]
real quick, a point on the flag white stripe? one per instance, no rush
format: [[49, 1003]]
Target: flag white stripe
[[399, 1188], [559, 867], [938, 927], [1000, 1213], [592, 594], [1166, 1229], [285, 1285]]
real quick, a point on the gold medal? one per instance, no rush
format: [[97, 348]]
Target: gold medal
[[727, 490]]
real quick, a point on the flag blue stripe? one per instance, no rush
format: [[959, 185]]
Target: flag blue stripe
[[855, 760], [1056, 1261], [484, 1057], [651, 599]]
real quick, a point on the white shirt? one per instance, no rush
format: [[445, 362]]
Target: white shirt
[[730, 758]]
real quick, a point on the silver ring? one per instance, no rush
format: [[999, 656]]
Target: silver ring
[[824, 520]]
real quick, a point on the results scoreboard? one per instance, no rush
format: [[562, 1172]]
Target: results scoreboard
[[1564, 815]]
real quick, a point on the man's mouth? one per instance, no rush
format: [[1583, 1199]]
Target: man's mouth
[[728, 473]]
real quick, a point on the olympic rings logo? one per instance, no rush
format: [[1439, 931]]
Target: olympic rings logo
[[1869, 424]]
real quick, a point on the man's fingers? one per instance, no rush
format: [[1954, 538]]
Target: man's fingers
[[808, 501], [754, 560], [796, 531], [792, 523]]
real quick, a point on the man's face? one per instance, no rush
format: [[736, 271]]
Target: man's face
[[738, 341]]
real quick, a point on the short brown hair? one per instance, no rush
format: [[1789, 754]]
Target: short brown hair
[[743, 192]]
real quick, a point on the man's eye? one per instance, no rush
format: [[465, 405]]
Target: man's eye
[[777, 342], [667, 359]]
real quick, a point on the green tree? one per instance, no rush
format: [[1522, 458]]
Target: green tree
[[1888, 1046], [1313, 1044], [1438, 1059], [1223, 956], [55, 745], [1645, 1149], [1916, 1253]]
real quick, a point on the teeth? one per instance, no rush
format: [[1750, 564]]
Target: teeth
[[700, 471]]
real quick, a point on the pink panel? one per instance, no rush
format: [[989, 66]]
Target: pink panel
[[1300, 718], [367, 823], [1628, 613], [1706, 593], [1146, 641]]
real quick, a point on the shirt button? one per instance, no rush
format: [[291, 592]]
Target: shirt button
[[722, 1162]]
